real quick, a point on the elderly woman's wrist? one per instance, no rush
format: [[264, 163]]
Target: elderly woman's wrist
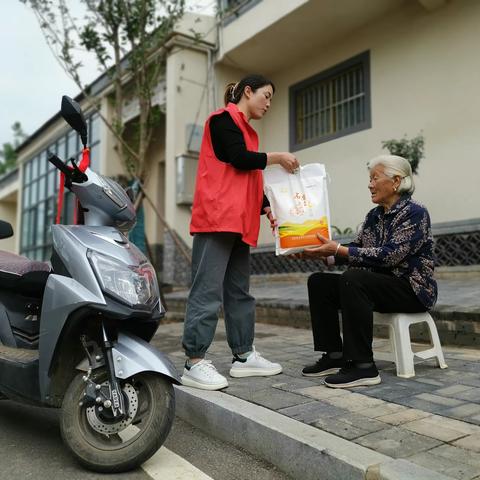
[[340, 251]]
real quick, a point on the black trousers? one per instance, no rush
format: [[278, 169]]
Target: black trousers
[[357, 294]]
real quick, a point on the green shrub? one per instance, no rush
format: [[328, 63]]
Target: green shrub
[[412, 150]]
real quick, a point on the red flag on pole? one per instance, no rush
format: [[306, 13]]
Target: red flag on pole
[[84, 164]]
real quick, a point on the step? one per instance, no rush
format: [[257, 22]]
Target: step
[[454, 327], [299, 450]]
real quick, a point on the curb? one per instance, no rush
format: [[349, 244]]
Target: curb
[[297, 449]]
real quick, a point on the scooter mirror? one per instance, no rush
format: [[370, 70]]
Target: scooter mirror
[[6, 230], [72, 114]]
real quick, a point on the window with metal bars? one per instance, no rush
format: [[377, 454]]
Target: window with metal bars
[[331, 104], [232, 9]]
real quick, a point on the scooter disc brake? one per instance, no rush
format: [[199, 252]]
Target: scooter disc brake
[[110, 428]]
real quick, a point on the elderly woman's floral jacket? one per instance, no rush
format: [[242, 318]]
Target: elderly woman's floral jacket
[[398, 241]]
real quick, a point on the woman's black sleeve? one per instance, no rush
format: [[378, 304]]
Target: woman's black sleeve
[[229, 145], [265, 204]]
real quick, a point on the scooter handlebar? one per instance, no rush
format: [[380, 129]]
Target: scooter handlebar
[[60, 165], [72, 174]]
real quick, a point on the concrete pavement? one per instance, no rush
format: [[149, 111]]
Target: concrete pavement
[[420, 428]]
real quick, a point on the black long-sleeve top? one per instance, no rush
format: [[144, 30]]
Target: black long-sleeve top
[[229, 147]]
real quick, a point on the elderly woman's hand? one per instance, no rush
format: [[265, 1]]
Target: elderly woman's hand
[[326, 249], [320, 251]]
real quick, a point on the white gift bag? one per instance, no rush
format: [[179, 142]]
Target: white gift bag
[[299, 203]]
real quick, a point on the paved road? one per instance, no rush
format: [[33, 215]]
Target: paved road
[[31, 448], [220, 460]]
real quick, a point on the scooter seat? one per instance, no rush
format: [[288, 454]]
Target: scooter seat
[[26, 276]]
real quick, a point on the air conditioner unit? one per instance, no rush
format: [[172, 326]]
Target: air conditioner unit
[[186, 170], [193, 137]]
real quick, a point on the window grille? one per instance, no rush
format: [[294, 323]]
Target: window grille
[[232, 9], [331, 104]]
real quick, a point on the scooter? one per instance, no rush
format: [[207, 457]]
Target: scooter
[[75, 335]]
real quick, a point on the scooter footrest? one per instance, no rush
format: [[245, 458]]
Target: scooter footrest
[[22, 355]]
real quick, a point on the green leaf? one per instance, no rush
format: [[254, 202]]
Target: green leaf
[[412, 150]]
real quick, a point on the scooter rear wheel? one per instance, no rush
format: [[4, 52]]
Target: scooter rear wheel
[[101, 443]]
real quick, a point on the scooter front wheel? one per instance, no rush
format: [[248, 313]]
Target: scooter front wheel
[[104, 444]]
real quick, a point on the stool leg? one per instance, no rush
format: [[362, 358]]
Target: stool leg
[[403, 348], [393, 347], [437, 347]]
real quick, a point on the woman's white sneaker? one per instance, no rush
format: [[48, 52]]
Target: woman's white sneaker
[[203, 375], [254, 366]]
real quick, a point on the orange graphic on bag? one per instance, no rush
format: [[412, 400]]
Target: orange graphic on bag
[[302, 235]]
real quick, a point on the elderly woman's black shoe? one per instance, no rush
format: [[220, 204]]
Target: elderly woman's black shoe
[[323, 366], [353, 376]]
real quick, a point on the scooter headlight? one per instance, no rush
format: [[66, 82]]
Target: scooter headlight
[[135, 285]]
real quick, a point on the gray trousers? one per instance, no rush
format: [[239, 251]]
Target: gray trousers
[[220, 273]]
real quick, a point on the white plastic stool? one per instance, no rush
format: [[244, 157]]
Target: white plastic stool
[[401, 348]]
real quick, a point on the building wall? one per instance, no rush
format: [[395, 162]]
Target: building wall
[[255, 20], [187, 95], [155, 186], [8, 213], [188, 101], [9, 184], [112, 165], [424, 79], [110, 162]]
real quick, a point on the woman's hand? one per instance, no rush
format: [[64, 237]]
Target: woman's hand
[[326, 249], [286, 159], [273, 221], [289, 162]]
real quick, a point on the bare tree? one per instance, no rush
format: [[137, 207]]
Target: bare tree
[[126, 38]]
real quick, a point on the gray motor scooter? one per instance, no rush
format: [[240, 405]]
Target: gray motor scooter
[[75, 335]]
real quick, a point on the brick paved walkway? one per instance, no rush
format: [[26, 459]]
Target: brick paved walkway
[[432, 419]]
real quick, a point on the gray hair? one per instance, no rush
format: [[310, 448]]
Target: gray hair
[[396, 166]]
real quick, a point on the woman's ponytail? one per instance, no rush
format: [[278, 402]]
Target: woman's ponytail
[[229, 95], [234, 91]]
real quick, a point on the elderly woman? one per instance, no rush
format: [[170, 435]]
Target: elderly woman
[[390, 269]]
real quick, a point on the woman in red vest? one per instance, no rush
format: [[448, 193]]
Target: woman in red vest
[[227, 205]]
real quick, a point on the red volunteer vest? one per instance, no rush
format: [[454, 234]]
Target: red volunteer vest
[[227, 199]]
